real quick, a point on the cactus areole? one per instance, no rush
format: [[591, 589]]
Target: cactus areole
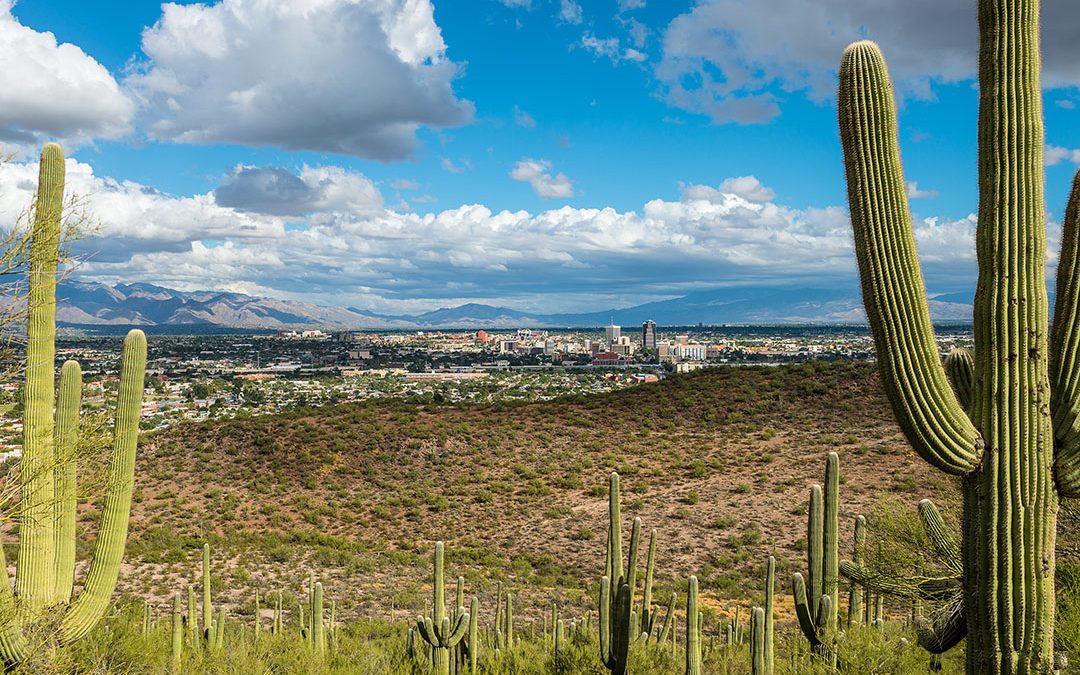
[[1018, 446]]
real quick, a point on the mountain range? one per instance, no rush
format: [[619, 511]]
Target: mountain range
[[81, 303]]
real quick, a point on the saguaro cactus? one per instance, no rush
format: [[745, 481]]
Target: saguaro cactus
[[439, 630], [1019, 447], [817, 599], [45, 571], [617, 587], [693, 629]]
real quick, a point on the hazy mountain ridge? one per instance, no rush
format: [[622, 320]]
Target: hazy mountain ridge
[[91, 303]]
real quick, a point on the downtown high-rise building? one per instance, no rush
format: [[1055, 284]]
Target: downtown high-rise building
[[612, 334], [648, 335]]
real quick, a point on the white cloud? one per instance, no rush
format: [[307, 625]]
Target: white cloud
[[726, 59], [914, 192], [354, 77], [628, 5], [746, 187], [527, 4], [449, 166], [1054, 155], [51, 90], [610, 48], [537, 172], [524, 119], [570, 11], [405, 184]]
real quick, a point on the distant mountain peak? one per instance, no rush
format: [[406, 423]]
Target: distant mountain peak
[[143, 304]]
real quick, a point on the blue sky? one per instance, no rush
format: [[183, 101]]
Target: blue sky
[[557, 155]]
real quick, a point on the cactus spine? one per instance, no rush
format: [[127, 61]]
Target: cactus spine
[[817, 599], [45, 569], [1022, 432], [440, 630]]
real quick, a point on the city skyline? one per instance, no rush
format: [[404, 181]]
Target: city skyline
[[496, 168]]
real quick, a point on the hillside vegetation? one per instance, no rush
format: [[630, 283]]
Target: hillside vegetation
[[718, 461]]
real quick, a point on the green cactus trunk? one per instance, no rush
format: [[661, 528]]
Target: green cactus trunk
[[177, 633], [1006, 450], [693, 630], [45, 569]]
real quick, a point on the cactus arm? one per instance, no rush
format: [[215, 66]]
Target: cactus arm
[[960, 367], [632, 558], [605, 620], [67, 439], [922, 400], [929, 588], [945, 632], [939, 535], [668, 618], [36, 568], [815, 533], [104, 570], [13, 647], [427, 631], [803, 611], [758, 643], [648, 613], [830, 538], [1065, 351]]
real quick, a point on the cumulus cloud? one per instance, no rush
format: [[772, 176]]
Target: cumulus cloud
[[54, 90], [353, 77], [1054, 155], [277, 191], [915, 192], [537, 172], [628, 5], [723, 58]]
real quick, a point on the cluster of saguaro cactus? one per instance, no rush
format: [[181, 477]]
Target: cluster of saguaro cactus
[[1016, 443], [761, 626], [442, 631], [817, 597], [47, 470]]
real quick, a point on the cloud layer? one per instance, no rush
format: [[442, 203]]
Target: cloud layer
[[353, 77], [322, 233]]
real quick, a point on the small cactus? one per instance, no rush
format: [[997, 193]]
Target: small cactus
[[816, 599]]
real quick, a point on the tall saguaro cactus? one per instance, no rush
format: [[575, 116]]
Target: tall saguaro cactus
[[1018, 446], [45, 570]]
